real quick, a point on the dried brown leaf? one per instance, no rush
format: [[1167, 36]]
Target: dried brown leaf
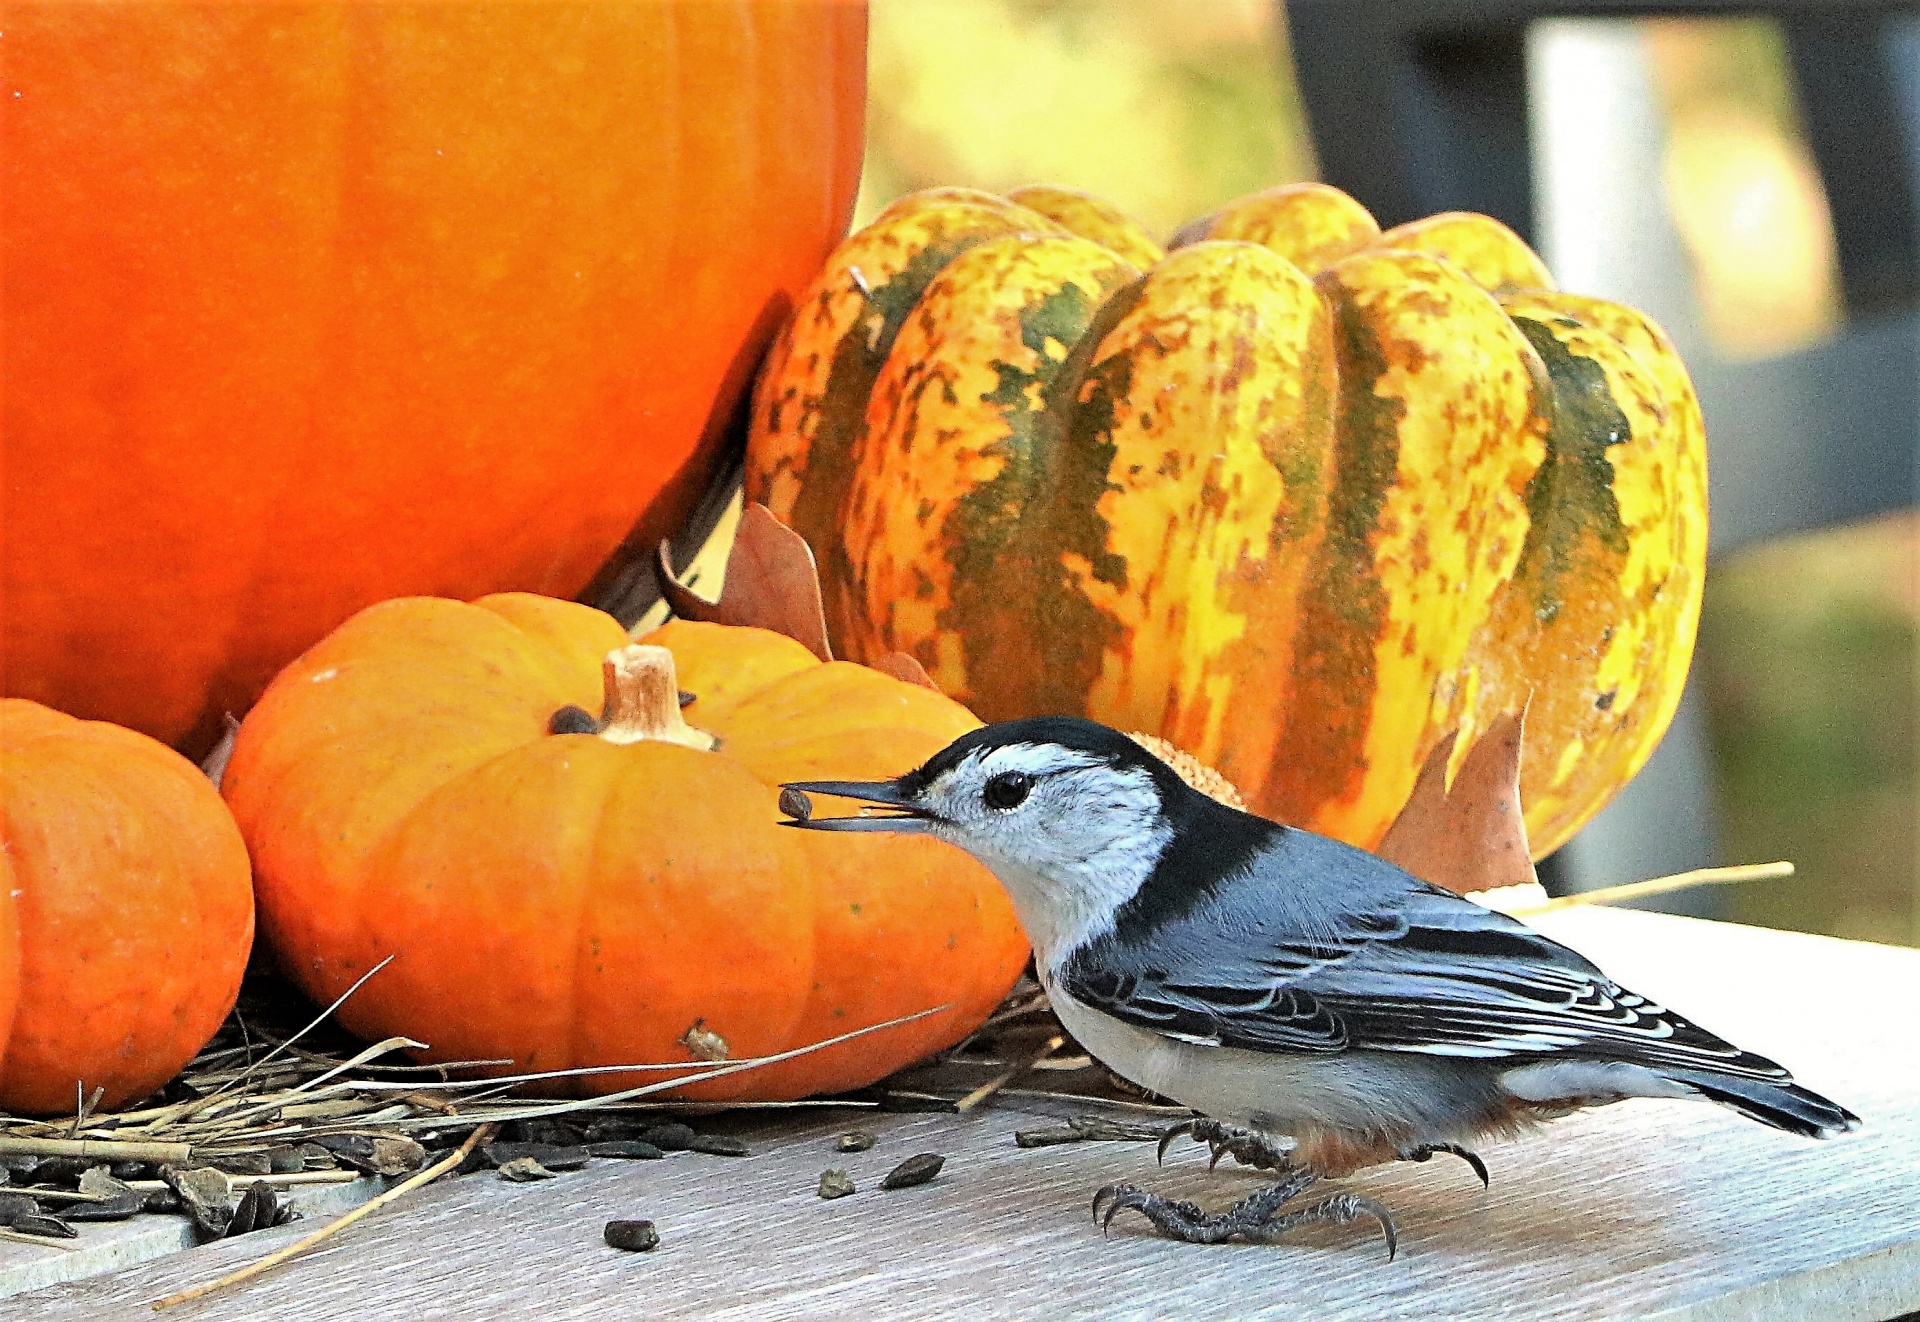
[[904, 668], [1469, 836], [771, 583]]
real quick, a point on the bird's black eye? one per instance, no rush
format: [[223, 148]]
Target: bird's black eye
[[1007, 790]]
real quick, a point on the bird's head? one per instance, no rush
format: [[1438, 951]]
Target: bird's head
[[1070, 815]]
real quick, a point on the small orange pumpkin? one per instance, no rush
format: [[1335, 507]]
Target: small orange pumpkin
[[126, 910], [616, 895]]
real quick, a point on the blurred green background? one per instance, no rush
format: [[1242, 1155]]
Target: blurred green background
[[1808, 647]]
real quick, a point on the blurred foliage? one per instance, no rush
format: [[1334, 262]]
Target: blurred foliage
[[1168, 109], [1742, 185], [1808, 653]]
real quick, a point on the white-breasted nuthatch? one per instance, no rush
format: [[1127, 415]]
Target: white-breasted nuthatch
[[1280, 983]]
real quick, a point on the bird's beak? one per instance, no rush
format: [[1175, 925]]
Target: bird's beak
[[902, 813]]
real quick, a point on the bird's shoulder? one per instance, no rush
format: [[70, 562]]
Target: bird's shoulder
[[1253, 934]]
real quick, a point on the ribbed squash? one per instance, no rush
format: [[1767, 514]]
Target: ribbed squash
[[1301, 496], [586, 898]]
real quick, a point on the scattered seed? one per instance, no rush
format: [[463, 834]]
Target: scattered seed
[[242, 1163], [207, 1195], [161, 1200], [521, 1170], [346, 1149], [554, 1133], [374, 1154], [633, 1236], [63, 1171], [796, 805], [719, 1145], [1047, 1138], [613, 1129], [573, 720], [551, 1157], [283, 1160], [835, 1184], [469, 1163], [631, 1149], [260, 1208], [133, 1170], [913, 1171], [855, 1140], [1102, 1129], [13, 1205], [674, 1137], [38, 1223], [119, 1201], [313, 1157]]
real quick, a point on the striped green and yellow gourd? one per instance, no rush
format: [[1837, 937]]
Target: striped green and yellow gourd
[[1298, 495]]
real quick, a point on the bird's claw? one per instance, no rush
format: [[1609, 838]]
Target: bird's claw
[[1246, 1146], [1163, 1212], [1256, 1218], [1337, 1210], [1172, 1132], [1426, 1150]]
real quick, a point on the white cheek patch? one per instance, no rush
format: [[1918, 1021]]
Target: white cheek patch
[[1080, 846]]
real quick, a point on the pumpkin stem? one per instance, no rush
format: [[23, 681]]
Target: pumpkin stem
[[643, 699]]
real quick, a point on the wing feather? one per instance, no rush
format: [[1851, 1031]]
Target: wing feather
[[1417, 970]]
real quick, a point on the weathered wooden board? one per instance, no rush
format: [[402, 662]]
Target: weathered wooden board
[[1648, 1209], [106, 1246]]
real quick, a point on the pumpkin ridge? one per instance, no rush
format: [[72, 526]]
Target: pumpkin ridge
[[1609, 602], [406, 633], [1577, 470], [579, 1040], [1343, 613], [955, 407], [1006, 537], [539, 621], [857, 362]]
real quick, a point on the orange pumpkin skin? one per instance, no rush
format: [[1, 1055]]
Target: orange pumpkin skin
[[129, 910], [313, 305], [565, 901]]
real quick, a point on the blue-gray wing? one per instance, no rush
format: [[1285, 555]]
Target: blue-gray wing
[[1382, 962]]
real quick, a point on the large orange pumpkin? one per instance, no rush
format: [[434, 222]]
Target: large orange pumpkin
[[576, 899], [1300, 496], [126, 915], [311, 305]]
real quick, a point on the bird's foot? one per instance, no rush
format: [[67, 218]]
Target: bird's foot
[[1246, 1146], [1185, 1221], [1256, 1218], [1337, 1210], [1426, 1150]]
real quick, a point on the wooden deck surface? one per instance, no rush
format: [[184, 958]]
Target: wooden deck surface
[[1665, 1210]]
